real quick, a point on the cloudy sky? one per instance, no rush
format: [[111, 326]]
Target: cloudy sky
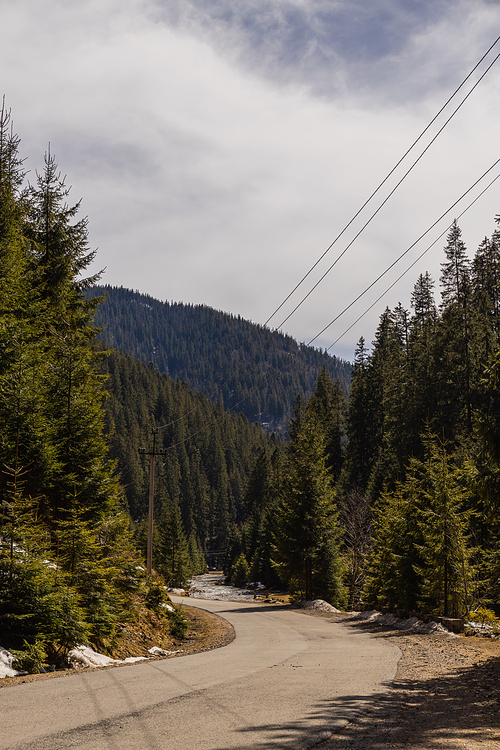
[[220, 146]]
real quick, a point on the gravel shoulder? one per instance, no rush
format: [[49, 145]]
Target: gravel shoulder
[[446, 695]]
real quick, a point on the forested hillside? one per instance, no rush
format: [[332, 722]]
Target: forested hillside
[[423, 436], [209, 452], [415, 511], [249, 368], [73, 487], [390, 499], [68, 566]]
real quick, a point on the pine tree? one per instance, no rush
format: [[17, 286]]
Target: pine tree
[[66, 573], [23, 442], [385, 376], [73, 388], [446, 569], [421, 390], [453, 339], [359, 450], [59, 244], [422, 556], [93, 559], [38, 604], [173, 559], [456, 270], [392, 568], [487, 460], [329, 405], [307, 538]]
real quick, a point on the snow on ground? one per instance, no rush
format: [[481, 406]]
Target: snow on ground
[[412, 624], [6, 661], [157, 651], [318, 604], [482, 628], [212, 586], [80, 657], [85, 656]]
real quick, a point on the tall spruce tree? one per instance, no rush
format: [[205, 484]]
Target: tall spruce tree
[[455, 271], [359, 450], [329, 405], [422, 558], [73, 388], [66, 576], [173, 558], [453, 340], [446, 569], [23, 441], [307, 537], [421, 393]]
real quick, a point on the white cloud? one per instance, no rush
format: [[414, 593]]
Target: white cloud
[[218, 155]]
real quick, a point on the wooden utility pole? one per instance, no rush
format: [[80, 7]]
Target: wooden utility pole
[[152, 453]]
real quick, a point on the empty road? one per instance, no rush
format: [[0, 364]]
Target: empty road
[[286, 681]]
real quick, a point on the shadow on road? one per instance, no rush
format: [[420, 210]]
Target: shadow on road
[[458, 710], [262, 608]]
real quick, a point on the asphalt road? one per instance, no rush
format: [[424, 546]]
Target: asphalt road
[[286, 681]]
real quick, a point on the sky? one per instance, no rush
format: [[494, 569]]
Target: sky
[[219, 147]]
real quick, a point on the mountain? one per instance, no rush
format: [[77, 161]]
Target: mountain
[[208, 452], [247, 367]]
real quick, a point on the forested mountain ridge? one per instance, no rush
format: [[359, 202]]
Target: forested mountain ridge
[[246, 366], [209, 451]]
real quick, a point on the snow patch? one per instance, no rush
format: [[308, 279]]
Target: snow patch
[[481, 629], [85, 656], [133, 659], [6, 661], [82, 657], [319, 605], [157, 651], [412, 624]]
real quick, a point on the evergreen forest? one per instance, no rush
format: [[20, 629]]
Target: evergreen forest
[[404, 481], [73, 486], [247, 367], [382, 491]]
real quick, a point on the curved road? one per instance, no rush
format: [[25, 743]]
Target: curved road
[[286, 681]]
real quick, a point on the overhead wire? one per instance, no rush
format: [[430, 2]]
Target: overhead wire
[[387, 198], [386, 178], [450, 208], [377, 189], [411, 265], [402, 254]]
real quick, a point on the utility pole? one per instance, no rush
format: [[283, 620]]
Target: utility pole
[[152, 453]]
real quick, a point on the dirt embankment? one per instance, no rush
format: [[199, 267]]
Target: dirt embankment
[[205, 632]]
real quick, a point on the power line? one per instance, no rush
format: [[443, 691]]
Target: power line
[[385, 180], [412, 265], [403, 254], [215, 387], [275, 373], [387, 198]]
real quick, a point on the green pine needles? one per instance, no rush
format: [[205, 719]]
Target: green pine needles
[[67, 563], [423, 558], [308, 537]]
